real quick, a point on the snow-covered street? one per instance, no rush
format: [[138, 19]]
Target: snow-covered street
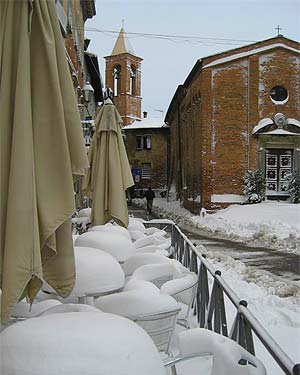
[[272, 224]]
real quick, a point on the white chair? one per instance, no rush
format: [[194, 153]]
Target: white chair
[[183, 290], [85, 212], [138, 260], [133, 284], [69, 307], [135, 224], [154, 312], [112, 243], [226, 354], [136, 235], [25, 310], [153, 230], [112, 229], [153, 239], [153, 249], [158, 274], [172, 279]]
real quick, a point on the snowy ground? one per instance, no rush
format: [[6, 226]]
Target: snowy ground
[[272, 224]]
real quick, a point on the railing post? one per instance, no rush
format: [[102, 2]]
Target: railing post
[[241, 331], [202, 295]]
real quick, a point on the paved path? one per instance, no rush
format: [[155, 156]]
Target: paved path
[[286, 265]]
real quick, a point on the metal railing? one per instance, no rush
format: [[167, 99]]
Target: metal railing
[[210, 307]]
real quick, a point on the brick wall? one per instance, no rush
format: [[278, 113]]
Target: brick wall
[[157, 156], [128, 105]]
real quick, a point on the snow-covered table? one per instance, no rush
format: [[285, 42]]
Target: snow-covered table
[[97, 273], [78, 343]]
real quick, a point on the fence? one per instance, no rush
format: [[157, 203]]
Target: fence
[[211, 309]]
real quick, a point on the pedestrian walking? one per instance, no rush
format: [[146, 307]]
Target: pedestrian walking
[[149, 195]]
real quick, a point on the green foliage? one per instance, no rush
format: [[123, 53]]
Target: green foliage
[[254, 186], [294, 187]]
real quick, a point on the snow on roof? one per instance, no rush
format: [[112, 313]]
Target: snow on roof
[[147, 123], [249, 53], [280, 132]]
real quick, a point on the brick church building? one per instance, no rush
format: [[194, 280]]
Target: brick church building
[[236, 111]]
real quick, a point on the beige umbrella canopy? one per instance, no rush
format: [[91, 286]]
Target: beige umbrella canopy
[[41, 151], [109, 174]]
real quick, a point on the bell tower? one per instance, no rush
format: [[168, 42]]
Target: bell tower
[[123, 76]]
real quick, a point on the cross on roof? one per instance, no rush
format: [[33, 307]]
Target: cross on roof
[[278, 28]]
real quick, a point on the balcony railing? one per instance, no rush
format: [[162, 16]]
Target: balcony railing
[[210, 308]]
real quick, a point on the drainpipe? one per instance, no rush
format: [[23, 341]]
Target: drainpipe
[[179, 149]]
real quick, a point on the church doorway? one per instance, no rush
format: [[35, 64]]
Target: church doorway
[[278, 166]]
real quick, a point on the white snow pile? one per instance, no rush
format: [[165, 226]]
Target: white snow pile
[[272, 224]]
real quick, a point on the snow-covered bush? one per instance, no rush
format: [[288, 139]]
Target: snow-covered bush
[[294, 187], [254, 186]]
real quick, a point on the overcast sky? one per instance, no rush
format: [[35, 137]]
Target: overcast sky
[[167, 62]]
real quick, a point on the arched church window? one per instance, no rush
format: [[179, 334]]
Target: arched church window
[[279, 94], [132, 88], [117, 80]]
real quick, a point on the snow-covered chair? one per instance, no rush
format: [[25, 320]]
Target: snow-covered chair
[[112, 243], [226, 354], [183, 290], [141, 259], [154, 230], [112, 229], [135, 225], [24, 310], [153, 249], [154, 312], [158, 274], [172, 279], [69, 307], [85, 212], [136, 235], [153, 239]]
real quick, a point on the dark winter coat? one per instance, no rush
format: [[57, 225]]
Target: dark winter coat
[[149, 195]]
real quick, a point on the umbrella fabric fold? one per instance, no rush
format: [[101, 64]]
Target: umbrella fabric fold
[[41, 148], [109, 174]]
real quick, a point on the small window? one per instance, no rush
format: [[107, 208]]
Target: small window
[[147, 142], [117, 80], [146, 171], [143, 142], [139, 142], [279, 94], [132, 88]]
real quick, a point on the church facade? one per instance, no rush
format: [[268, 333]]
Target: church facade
[[236, 111]]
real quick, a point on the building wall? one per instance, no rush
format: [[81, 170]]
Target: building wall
[[212, 145], [157, 156], [128, 105]]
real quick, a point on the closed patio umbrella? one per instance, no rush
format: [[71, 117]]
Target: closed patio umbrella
[[109, 174], [41, 151]]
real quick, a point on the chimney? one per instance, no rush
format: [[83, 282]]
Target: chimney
[[145, 114]]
